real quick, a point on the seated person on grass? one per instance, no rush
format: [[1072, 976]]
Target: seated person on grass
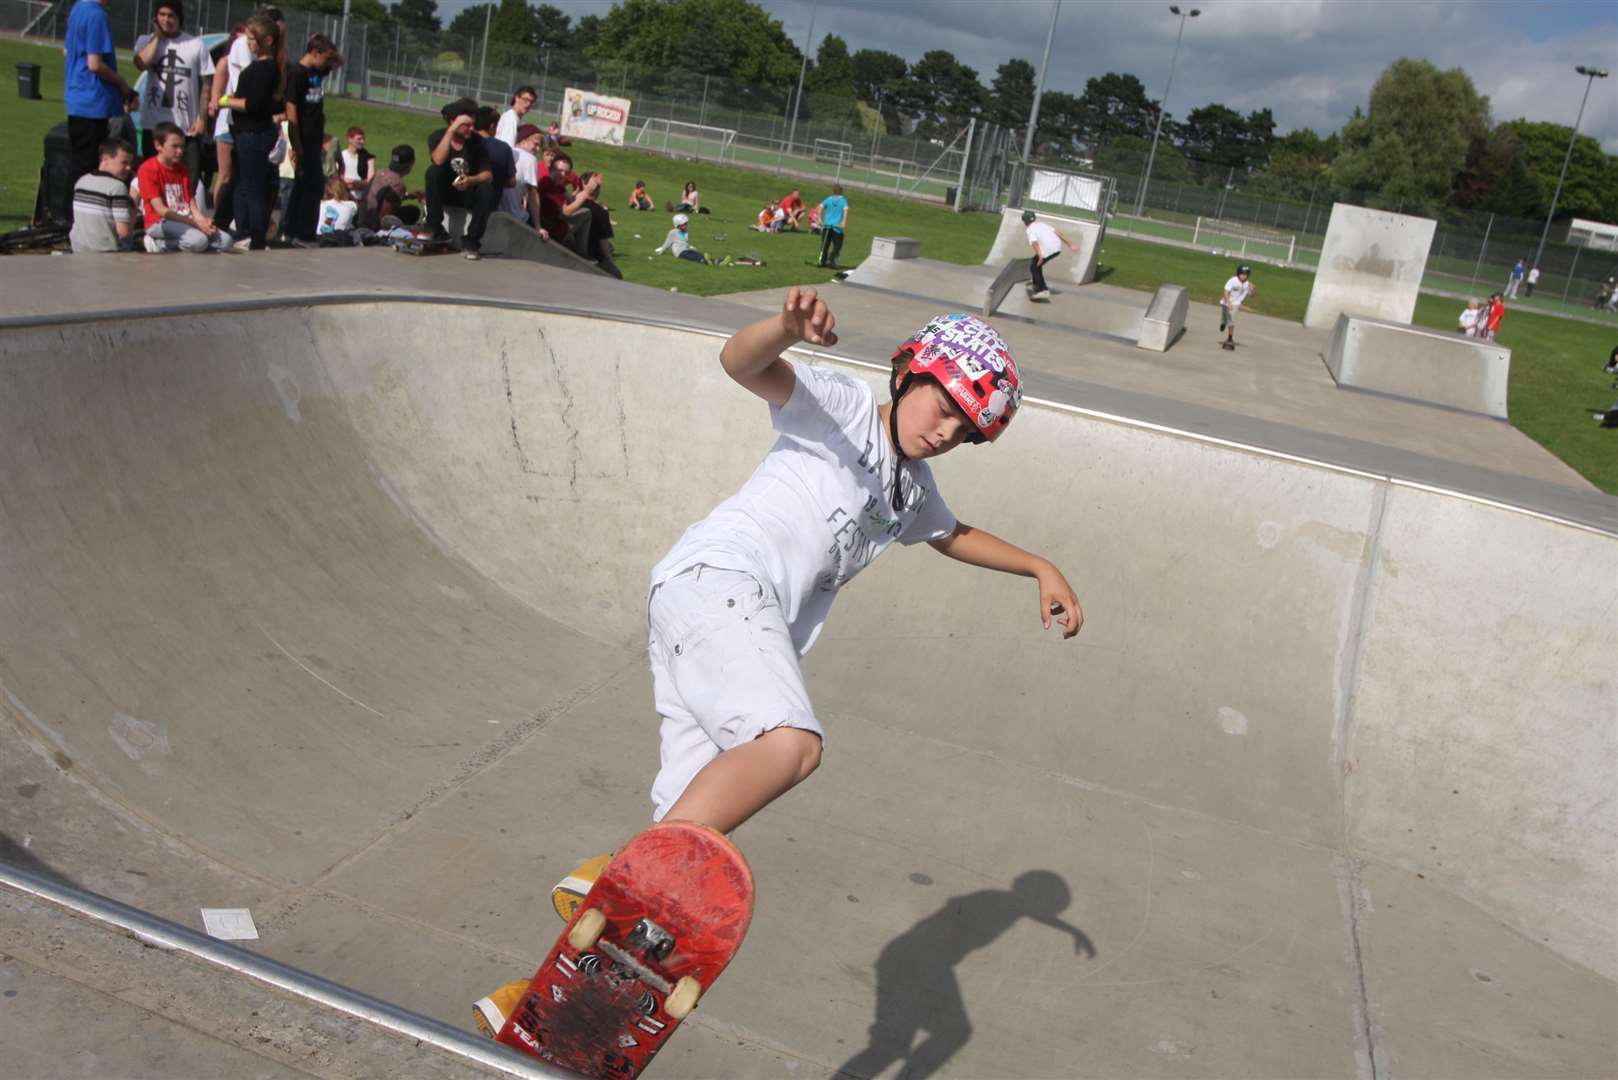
[[792, 206], [359, 164], [339, 212], [386, 196], [679, 241], [600, 224], [767, 218], [172, 222], [639, 199], [103, 218]]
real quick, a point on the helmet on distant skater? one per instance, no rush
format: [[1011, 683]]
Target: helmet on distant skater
[[680, 219], [969, 359], [1028, 217]]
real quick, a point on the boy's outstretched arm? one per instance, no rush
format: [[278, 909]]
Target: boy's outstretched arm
[[979, 548], [752, 356]]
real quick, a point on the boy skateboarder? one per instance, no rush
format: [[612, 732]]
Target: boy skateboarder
[[745, 592], [1047, 244], [1237, 290]]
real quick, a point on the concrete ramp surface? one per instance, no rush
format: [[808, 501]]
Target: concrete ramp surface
[[337, 613]]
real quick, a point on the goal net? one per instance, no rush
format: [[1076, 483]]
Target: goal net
[[832, 150], [679, 137]]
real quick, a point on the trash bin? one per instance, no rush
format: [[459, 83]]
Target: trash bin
[[949, 196], [28, 81]]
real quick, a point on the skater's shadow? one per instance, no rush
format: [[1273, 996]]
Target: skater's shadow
[[916, 989]]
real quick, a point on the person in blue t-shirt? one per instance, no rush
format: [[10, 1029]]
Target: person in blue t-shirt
[[833, 222], [92, 88]]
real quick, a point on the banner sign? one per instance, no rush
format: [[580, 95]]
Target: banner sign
[[1064, 189], [589, 115]]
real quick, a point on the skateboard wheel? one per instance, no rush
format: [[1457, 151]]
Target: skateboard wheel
[[587, 930], [683, 998]]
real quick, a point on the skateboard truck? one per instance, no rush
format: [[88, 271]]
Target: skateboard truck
[[651, 939]]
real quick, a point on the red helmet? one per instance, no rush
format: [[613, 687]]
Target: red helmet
[[970, 360]]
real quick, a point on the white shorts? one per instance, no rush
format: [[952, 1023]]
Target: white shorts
[[724, 671]]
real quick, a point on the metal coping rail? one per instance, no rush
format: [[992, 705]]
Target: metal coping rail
[[159, 931]]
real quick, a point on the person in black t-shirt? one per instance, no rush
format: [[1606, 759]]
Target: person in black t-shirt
[[502, 160], [253, 125], [306, 130], [600, 224], [459, 174]]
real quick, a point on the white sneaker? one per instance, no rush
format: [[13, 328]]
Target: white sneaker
[[1042, 294], [152, 243]]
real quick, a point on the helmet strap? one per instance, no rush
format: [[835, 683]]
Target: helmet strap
[[898, 385]]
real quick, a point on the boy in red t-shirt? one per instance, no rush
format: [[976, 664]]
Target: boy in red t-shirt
[[792, 203], [172, 223]]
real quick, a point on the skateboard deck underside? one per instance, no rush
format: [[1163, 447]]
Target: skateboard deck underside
[[601, 1011]]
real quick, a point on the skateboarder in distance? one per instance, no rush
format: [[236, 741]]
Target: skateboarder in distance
[[745, 591], [1237, 290], [1047, 243]]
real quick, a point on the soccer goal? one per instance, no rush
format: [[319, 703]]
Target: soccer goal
[[679, 137], [1230, 238], [832, 150]]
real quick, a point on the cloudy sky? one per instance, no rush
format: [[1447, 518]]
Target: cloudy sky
[[1310, 61]]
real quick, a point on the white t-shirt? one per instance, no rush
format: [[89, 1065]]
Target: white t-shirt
[[178, 82], [1045, 236], [1237, 290], [819, 507], [1533, 276], [1469, 319], [514, 199], [240, 55], [335, 216], [506, 129]]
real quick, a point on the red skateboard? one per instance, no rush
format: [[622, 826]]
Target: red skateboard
[[655, 931]]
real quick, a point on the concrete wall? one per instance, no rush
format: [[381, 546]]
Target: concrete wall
[[1164, 320], [1424, 365], [1371, 265], [1077, 268]]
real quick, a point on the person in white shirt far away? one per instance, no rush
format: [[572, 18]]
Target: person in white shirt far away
[[1237, 290], [1047, 244]]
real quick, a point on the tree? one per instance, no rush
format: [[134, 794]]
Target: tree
[[1060, 119], [552, 26], [468, 24], [1405, 152], [420, 16], [1012, 95], [833, 71], [942, 93], [877, 75], [1592, 177], [1126, 156], [513, 24], [1218, 138], [585, 35], [1298, 165], [1115, 105], [655, 34]]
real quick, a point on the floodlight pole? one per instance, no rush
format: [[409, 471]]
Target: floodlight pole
[[803, 68], [483, 60], [1162, 106], [1591, 75], [1039, 91]]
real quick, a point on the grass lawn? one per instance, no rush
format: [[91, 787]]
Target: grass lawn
[[1556, 376]]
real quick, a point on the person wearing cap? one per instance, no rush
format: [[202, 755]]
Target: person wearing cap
[[1047, 244], [1237, 290], [386, 195], [306, 135]]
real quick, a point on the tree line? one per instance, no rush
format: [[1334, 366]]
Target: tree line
[[1425, 141]]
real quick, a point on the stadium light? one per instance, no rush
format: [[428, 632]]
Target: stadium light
[[1591, 75], [1162, 106], [1039, 91]]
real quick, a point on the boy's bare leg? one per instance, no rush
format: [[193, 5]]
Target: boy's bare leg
[[745, 779]]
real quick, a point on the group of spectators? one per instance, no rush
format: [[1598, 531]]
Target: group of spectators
[[249, 116], [1481, 320]]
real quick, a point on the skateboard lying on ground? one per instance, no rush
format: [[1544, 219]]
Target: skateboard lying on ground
[[423, 246], [654, 932]]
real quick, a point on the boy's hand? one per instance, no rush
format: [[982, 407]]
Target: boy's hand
[[805, 317], [1056, 600]]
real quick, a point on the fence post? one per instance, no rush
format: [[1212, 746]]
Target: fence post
[[1570, 271], [1478, 268], [702, 114], [365, 61], [393, 85], [1196, 231]]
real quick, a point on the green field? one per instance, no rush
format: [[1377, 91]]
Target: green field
[[1556, 377]]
